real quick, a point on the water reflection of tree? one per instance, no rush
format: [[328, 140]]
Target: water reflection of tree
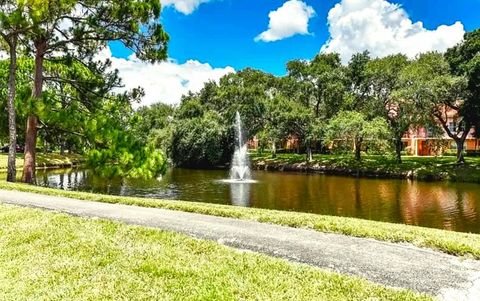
[[397, 212], [465, 218], [62, 179], [69, 179], [440, 205], [45, 179], [358, 197]]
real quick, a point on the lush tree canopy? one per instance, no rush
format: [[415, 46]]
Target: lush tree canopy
[[369, 104], [72, 104]]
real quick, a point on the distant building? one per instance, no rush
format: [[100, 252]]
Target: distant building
[[290, 144], [418, 141], [423, 142]]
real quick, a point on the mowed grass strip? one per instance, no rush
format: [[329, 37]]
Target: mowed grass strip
[[44, 160], [51, 256], [455, 243]]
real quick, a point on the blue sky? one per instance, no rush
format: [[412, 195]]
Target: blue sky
[[214, 37], [222, 32]]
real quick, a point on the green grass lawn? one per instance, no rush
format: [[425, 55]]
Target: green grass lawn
[[43, 160], [50, 256], [423, 168], [462, 244]]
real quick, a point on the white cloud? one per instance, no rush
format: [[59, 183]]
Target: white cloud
[[184, 6], [383, 28], [3, 55], [288, 20], [164, 82]]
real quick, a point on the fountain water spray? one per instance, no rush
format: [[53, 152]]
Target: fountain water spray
[[240, 169]]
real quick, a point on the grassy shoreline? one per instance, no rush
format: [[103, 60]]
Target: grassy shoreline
[[45, 161], [455, 243], [416, 168], [45, 255]]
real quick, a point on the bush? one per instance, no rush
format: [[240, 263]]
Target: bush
[[200, 141]]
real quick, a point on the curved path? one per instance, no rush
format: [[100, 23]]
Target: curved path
[[395, 265]]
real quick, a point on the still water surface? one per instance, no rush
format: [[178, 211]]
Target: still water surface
[[452, 206]]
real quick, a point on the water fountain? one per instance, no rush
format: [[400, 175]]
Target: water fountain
[[240, 179], [240, 168]]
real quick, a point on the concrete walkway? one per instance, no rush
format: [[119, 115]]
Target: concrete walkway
[[396, 265]]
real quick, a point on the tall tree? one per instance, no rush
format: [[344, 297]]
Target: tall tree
[[151, 119], [318, 87], [384, 81], [200, 141], [464, 60], [80, 29], [298, 120], [355, 129], [357, 82], [23, 91], [435, 90], [247, 92], [322, 82], [276, 107], [12, 25]]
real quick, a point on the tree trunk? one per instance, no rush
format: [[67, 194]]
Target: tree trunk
[[32, 121], [274, 150], [309, 154], [12, 123], [398, 149], [358, 150], [460, 141], [460, 145]]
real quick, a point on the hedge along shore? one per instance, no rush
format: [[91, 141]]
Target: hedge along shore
[[455, 243], [413, 168]]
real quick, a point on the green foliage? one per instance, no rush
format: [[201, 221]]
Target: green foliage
[[114, 148], [367, 104], [438, 92], [130, 22], [464, 59], [149, 119], [74, 102], [298, 120], [202, 130], [72, 89], [276, 125], [245, 92], [353, 129], [200, 141], [22, 99], [321, 83], [79, 113], [127, 159]]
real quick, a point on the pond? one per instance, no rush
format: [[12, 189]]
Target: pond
[[451, 206]]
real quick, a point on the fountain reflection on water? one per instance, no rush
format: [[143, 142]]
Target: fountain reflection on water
[[240, 194]]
